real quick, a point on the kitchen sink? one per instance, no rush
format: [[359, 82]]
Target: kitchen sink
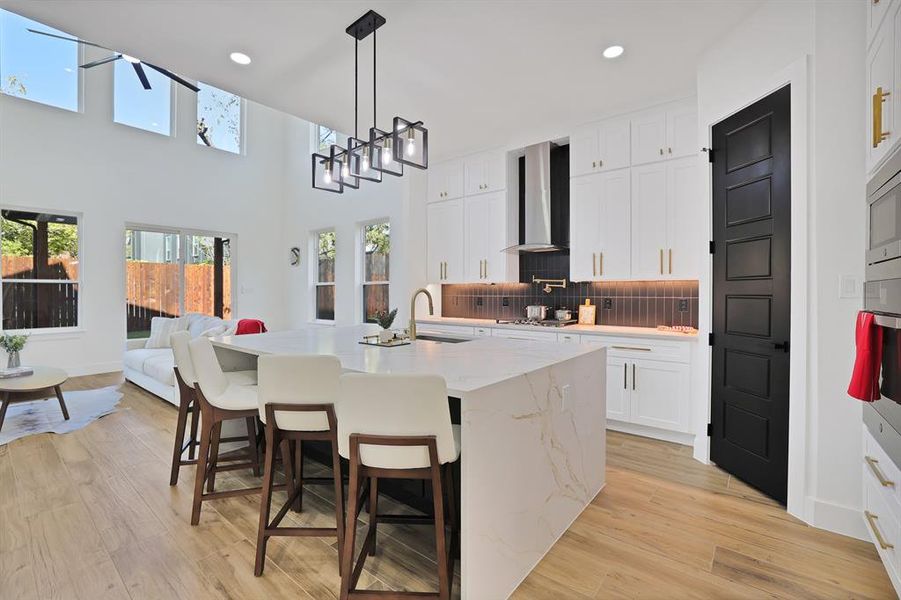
[[441, 339]]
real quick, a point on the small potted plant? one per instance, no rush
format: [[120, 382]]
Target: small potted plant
[[13, 344], [385, 319]]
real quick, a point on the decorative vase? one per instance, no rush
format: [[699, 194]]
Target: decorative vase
[[13, 360], [385, 336]]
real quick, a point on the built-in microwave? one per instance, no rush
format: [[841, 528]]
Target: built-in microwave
[[884, 223]]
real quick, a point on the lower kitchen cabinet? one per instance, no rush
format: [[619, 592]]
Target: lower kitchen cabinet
[[618, 388], [659, 395]]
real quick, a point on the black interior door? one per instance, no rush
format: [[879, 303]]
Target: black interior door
[[751, 293]]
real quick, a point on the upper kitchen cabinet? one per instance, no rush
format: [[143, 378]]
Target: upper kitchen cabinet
[[444, 230], [599, 230], [881, 65], [664, 133], [484, 172], [485, 239], [446, 181], [664, 225], [599, 147], [876, 11]]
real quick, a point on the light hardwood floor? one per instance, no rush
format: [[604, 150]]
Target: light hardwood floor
[[90, 515]]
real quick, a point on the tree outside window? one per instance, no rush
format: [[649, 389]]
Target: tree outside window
[[376, 253], [218, 119], [325, 276]]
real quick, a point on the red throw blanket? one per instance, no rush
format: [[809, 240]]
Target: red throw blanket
[[865, 378], [250, 326]]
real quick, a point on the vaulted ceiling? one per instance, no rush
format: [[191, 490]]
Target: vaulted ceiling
[[479, 73]]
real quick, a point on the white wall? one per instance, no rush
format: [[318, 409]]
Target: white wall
[[114, 174], [819, 48]]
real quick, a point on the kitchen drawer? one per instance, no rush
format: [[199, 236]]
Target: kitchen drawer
[[881, 472], [481, 331], [451, 329], [517, 334], [637, 348], [569, 338], [882, 525]]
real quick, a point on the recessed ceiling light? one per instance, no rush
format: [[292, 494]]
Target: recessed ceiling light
[[613, 51], [240, 58]]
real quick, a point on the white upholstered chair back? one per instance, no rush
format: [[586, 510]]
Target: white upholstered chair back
[[207, 371], [395, 405], [298, 379], [179, 342]]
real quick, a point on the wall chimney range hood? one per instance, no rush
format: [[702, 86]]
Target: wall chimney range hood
[[536, 215]]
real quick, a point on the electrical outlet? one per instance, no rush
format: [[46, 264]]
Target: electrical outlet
[[505, 301], [478, 301], [683, 304], [608, 303]]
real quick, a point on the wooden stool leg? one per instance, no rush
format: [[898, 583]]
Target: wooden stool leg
[[288, 464], [214, 455], [440, 546], [298, 474], [206, 434], [3, 408], [373, 511], [339, 502], [180, 425], [265, 500], [195, 421], [252, 446], [62, 403], [350, 530]]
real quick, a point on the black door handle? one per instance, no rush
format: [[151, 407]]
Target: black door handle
[[783, 346]]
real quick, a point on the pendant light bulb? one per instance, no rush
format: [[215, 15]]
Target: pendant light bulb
[[365, 159], [411, 142], [386, 152], [327, 176], [345, 171]]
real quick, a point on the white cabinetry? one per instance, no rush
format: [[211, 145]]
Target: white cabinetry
[[880, 80], [659, 394], [445, 229], [484, 172], [618, 404], [881, 505], [660, 134], [446, 181], [876, 11], [599, 230], [486, 238], [599, 148], [664, 200]]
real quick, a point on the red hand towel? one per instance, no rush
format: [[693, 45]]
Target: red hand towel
[[250, 326], [865, 378]]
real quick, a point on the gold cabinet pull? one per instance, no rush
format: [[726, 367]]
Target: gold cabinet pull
[[670, 261], [631, 348], [661, 261], [875, 469], [594, 265], [601, 263], [871, 519], [878, 99]]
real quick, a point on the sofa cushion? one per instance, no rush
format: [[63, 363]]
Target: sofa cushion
[[135, 359], [199, 323], [160, 330], [161, 368]]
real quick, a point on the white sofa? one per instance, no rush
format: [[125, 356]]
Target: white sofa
[[151, 368]]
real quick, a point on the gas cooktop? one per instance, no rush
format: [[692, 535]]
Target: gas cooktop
[[536, 323]]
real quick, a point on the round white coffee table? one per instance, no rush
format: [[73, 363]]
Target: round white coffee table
[[43, 378]]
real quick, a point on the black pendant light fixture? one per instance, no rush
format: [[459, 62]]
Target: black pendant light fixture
[[384, 152]]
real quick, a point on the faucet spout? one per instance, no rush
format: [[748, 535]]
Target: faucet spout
[[412, 328]]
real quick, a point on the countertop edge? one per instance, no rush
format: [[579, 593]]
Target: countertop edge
[[599, 330]]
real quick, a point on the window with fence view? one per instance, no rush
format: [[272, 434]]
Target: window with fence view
[[40, 270], [376, 250], [325, 276], [172, 273]]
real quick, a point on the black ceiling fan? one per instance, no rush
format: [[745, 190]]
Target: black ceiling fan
[[137, 64]]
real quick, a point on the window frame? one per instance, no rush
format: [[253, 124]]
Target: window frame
[[314, 134], [173, 106], [361, 252], [183, 233], [79, 224], [79, 81], [242, 121], [315, 284]]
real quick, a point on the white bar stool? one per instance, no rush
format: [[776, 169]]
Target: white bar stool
[[185, 379], [398, 427], [297, 396], [219, 400]]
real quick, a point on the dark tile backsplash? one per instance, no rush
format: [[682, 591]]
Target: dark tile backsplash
[[632, 303]]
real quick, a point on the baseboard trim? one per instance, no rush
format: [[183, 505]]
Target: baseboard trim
[[836, 518], [677, 437]]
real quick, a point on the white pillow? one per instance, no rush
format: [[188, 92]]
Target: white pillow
[[160, 330], [231, 326], [214, 331], [198, 323]]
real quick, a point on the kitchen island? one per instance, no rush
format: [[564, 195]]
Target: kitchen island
[[532, 434]]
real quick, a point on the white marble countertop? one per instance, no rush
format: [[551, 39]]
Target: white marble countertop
[[467, 366], [613, 330]]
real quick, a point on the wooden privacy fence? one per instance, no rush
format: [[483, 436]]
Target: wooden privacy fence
[[29, 305], [152, 290]]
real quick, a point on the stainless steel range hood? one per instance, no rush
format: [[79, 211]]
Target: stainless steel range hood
[[537, 207]]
